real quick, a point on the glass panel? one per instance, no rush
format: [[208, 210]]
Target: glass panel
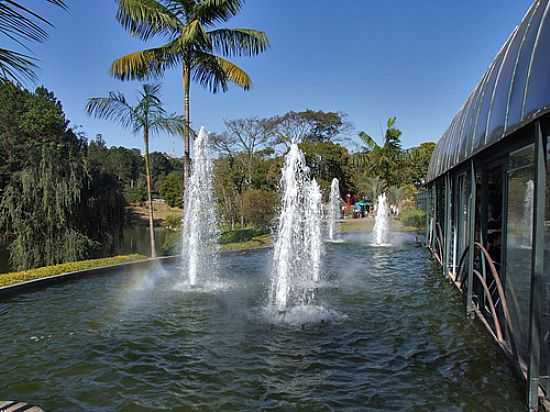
[[502, 91], [538, 93], [518, 87], [519, 237], [546, 311]]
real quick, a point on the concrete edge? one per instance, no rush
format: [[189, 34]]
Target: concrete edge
[[10, 290], [34, 284]]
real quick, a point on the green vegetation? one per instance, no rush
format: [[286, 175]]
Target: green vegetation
[[21, 25], [171, 189], [413, 217], [148, 117], [192, 46], [55, 204], [12, 278]]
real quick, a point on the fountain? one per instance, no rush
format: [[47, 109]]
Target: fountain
[[381, 223], [200, 228], [297, 255], [334, 209]]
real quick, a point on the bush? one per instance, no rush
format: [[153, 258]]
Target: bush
[[259, 207], [413, 217], [240, 235], [172, 223]]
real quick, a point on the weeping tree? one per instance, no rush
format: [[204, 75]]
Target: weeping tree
[[148, 117], [20, 25], [192, 44], [40, 207]]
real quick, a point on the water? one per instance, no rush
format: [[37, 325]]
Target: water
[[297, 255], [334, 209], [200, 227], [387, 333], [381, 222]]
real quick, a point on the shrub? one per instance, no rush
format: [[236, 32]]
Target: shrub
[[240, 235], [12, 278], [413, 217], [172, 222], [259, 207]]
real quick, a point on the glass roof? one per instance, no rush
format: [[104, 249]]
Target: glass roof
[[514, 91]]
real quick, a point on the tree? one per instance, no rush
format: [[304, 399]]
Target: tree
[[418, 160], [55, 204], [259, 207], [384, 161], [308, 126], [191, 45], [148, 117], [21, 25], [171, 189]]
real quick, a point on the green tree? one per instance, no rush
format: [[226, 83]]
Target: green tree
[[21, 25], [148, 117], [55, 205], [384, 161], [418, 160], [308, 126], [259, 207], [193, 45], [171, 189]]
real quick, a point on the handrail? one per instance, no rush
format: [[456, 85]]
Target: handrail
[[500, 289], [496, 322]]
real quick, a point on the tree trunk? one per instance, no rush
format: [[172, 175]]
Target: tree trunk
[[149, 194], [187, 125]]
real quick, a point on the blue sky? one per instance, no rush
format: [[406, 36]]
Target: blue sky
[[371, 59]]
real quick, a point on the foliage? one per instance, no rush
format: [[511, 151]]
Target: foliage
[[371, 186], [13, 278], [259, 207], [147, 116], [413, 217], [418, 160], [193, 44], [172, 223], [240, 235], [55, 205], [21, 25], [384, 161], [307, 126], [326, 161], [171, 189]]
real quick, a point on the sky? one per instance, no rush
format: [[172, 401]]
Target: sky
[[417, 60]]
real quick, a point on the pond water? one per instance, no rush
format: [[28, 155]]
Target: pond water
[[387, 332]]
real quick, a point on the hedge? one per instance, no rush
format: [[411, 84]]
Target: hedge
[[11, 278]]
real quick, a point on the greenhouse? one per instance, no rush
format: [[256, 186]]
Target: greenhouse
[[489, 203]]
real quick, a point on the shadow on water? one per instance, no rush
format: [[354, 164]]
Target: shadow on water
[[396, 339]]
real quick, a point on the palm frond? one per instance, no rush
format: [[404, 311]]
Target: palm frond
[[16, 66], [146, 64], [369, 141], [238, 42], [147, 18], [114, 107], [193, 36], [214, 73], [172, 124], [212, 11]]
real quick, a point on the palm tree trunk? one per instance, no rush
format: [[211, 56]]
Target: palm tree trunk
[[149, 194], [187, 126]]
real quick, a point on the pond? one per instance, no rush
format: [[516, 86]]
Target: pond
[[386, 332]]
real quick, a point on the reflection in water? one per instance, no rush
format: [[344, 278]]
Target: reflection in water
[[392, 337]]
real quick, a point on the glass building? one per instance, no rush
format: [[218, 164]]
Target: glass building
[[489, 200]]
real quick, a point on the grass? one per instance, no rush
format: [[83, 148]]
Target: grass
[[255, 242], [12, 278], [367, 224]]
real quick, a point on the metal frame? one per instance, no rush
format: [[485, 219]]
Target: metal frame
[[537, 273]]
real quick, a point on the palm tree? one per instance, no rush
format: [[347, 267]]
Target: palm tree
[[20, 24], [192, 44], [148, 117], [383, 161]]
